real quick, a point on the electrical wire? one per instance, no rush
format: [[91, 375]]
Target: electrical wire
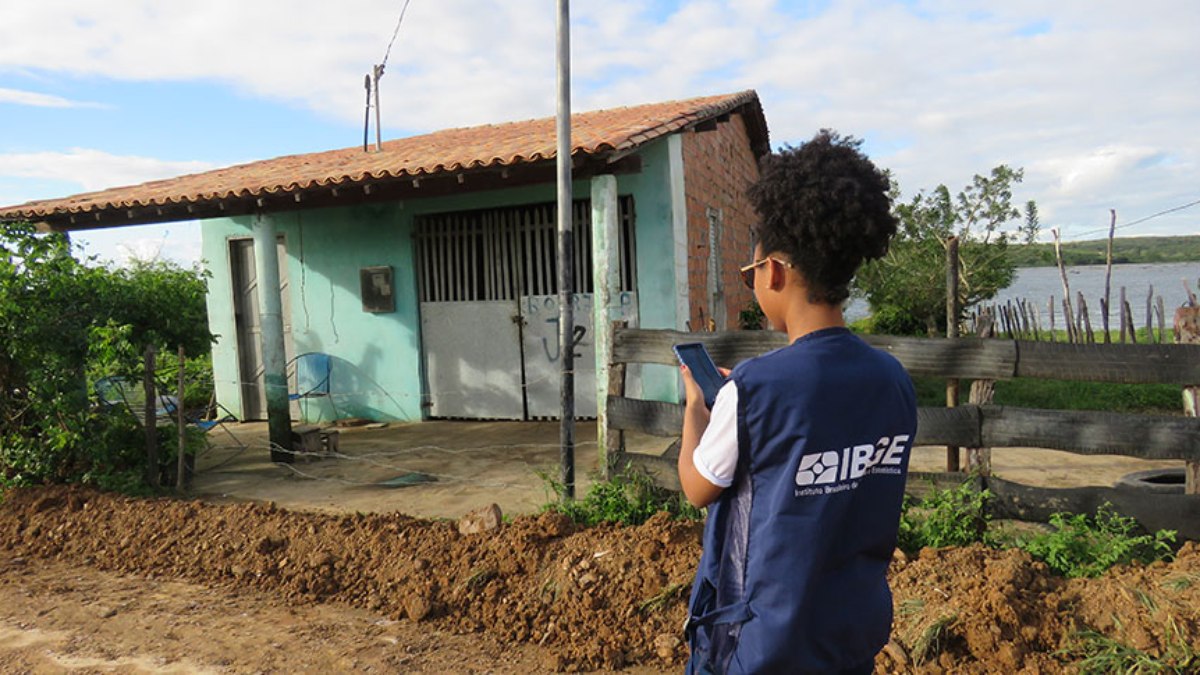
[[1142, 220], [396, 32]]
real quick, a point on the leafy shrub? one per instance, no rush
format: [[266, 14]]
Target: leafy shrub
[[1086, 546], [628, 498], [952, 517], [752, 318], [63, 324]]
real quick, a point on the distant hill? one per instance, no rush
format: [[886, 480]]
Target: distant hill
[[1125, 250]]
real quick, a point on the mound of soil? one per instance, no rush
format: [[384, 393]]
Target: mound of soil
[[602, 597], [596, 598]]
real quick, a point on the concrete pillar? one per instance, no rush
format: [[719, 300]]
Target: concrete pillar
[[266, 261], [606, 284]]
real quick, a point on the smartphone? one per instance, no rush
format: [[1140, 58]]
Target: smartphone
[[696, 358]]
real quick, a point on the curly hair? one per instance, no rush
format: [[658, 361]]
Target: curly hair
[[826, 207]]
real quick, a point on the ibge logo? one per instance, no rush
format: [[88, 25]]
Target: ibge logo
[[848, 464]]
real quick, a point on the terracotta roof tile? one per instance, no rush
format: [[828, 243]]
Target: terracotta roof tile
[[494, 145]]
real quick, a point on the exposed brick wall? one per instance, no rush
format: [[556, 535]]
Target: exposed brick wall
[[718, 167]]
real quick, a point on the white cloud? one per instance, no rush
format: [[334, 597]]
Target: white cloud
[[179, 242], [1079, 93], [94, 169], [1096, 170], [32, 98]]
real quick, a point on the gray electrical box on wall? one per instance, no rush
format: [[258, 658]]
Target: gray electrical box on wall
[[378, 292]]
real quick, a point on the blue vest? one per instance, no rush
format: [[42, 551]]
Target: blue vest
[[793, 574]]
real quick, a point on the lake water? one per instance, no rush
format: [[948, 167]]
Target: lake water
[[1037, 284]]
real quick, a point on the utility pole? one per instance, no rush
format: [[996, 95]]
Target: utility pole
[[566, 319]]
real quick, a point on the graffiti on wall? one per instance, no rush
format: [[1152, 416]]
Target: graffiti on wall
[[540, 338]]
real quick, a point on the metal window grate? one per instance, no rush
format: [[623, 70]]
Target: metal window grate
[[506, 253]]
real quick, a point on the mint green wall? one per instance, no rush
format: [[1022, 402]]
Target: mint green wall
[[377, 362], [375, 371], [655, 260]]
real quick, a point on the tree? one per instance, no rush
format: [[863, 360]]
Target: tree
[[59, 319], [906, 289]]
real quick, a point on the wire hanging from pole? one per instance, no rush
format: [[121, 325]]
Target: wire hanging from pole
[[373, 78], [396, 32]]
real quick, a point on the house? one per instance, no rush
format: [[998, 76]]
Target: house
[[426, 270]]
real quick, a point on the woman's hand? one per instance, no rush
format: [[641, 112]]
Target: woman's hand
[[693, 394]]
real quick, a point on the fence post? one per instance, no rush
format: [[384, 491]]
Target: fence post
[[614, 438], [1068, 317], [979, 460], [181, 467], [952, 312], [606, 283], [151, 413], [1187, 331]]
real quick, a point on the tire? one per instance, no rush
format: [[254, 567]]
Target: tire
[[1155, 481]]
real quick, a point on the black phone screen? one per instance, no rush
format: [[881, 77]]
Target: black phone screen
[[696, 358]]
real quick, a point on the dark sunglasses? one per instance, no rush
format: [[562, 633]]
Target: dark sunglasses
[[747, 271]]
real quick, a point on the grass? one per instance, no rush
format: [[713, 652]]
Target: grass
[[1094, 652], [663, 597], [1153, 399], [1182, 582], [1074, 545], [630, 497], [932, 639]]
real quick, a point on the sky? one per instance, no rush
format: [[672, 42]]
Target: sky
[[1097, 100]]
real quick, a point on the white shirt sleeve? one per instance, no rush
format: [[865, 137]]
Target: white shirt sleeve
[[716, 456]]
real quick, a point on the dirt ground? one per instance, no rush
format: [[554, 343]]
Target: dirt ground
[[338, 576]]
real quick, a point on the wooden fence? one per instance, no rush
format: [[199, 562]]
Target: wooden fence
[[972, 426]]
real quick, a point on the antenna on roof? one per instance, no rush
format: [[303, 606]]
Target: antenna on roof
[[367, 113], [377, 72], [373, 79]]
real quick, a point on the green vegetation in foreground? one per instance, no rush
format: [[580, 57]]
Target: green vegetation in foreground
[[1125, 250], [628, 498], [1095, 652], [1075, 545], [1085, 546]]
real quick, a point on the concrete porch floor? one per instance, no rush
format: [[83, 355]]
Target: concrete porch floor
[[479, 463], [472, 464]]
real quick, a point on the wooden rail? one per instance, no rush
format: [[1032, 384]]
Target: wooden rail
[[1149, 437], [965, 358]]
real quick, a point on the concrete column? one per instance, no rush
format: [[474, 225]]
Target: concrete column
[[679, 230], [266, 261], [606, 284]]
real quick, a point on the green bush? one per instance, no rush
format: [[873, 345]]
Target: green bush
[[628, 498], [1085, 546], [63, 324], [951, 517]]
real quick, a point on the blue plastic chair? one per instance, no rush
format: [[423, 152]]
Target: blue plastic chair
[[314, 376], [120, 393]]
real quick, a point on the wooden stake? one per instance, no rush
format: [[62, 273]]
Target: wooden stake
[[1150, 315], [1162, 331], [1087, 320], [1129, 321], [1187, 331], [1050, 307], [1104, 306], [181, 467], [151, 414], [1121, 313], [979, 460], [1068, 319], [952, 315]]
